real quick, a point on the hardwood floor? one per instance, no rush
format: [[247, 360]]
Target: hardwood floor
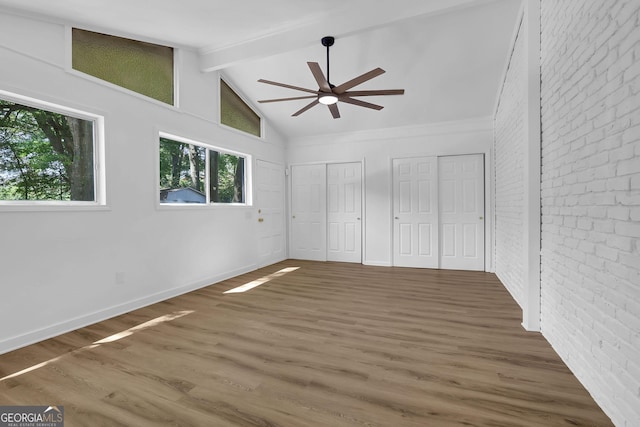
[[328, 344]]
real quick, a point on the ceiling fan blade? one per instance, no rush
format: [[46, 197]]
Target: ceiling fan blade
[[305, 108], [373, 92], [323, 84], [361, 103], [334, 110], [269, 82], [358, 80], [287, 99]]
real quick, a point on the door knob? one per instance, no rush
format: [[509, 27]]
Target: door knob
[[481, 217], [397, 218], [358, 218], [260, 219]]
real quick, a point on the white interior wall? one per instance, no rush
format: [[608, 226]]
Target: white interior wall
[[377, 149], [509, 148], [58, 267], [590, 274], [517, 169], [588, 271]]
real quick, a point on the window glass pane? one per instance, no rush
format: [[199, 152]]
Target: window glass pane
[[226, 178], [182, 172], [142, 67], [235, 113], [44, 155]]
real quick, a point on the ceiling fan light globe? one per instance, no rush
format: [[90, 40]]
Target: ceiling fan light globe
[[327, 99]]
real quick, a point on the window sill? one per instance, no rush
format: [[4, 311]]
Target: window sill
[[192, 206], [7, 206]]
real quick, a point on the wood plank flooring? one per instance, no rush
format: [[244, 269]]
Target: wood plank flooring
[[328, 344]]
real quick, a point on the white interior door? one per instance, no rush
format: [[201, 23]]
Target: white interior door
[[308, 212], [344, 212], [415, 212], [269, 201], [461, 212]]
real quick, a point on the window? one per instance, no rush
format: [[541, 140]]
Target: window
[[193, 173], [142, 67], [46, 156], [226, 172], [235, 113]]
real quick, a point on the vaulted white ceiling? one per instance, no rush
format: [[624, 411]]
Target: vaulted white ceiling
[[448, 55]]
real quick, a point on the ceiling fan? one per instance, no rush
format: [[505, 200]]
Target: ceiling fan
[[329, 94]]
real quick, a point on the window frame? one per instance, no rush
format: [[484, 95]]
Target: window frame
[[99, 173], [247, 103], [248, 167]]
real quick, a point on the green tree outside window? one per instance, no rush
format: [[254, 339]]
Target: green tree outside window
[[44, 155]]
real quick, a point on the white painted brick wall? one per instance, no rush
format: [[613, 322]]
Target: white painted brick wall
[[509, 179], [590, 267]]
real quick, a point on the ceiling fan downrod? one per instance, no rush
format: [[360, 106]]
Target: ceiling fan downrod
[[328, 42]]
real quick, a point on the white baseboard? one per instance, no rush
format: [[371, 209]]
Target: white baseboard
[[69, 325]]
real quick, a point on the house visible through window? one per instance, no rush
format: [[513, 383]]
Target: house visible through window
[[142, 67], [45, 155], [235, 113], [192, 173]]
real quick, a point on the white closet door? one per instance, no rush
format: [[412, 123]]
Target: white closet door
[[461, 203], [415, 212], [308, 212], [269, 201], [344, 212]]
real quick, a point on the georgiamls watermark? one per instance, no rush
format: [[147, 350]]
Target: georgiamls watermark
[[31, 416]]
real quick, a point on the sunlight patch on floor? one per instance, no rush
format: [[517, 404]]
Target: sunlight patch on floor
[[111, 338], [248, 286], [145, 325]]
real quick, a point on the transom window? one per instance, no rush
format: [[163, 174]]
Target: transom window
[[47, 153], [236, 113], [145, 68], [192, 173]]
